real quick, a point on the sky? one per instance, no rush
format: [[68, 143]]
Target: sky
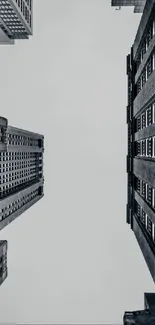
[[72, 259]]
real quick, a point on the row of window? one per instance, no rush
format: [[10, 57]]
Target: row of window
[[16, 186], [15, 159], [19, 155], [17, 165], [17, 204], [23, 5], [17, 169], [146, 191], [146, 118], [145, 148], [148, 69], [146, 222], [14, 139], [19, 173], [145, 44], [27, 2], [23, 173], [16, 180]]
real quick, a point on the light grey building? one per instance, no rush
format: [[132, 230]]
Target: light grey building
[[3, 260], [16, 20], [21, 171], [138, 4]]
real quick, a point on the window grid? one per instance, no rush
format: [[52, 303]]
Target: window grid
[[11, 19], [145, 44], [14, 139], [146, 118], [17, 204], [18, 170], [146, 222], [146, 191], [144, 148]]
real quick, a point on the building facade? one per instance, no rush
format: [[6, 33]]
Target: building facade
[[142, 317], [141, 136], [3, 260], [21, 171], [138, 4], [16, 20]]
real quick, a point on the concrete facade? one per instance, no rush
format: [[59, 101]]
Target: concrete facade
[[21, 171], [141, 136]]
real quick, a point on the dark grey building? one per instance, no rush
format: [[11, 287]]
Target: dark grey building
[[142, 317], [141, 136], [3, 260], [21, 171], [16, 20], [138, 4]]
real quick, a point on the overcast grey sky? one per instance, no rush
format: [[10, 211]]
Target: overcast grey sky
[[72, 258]]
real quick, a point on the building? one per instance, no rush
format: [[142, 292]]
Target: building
[[21, 171], [138, 4], [16, 20], [141, 136], [3, 260], [142, 317]]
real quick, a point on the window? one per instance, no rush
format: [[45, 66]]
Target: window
[[143, 77], [149, 67], [149, 226], [149, 36], [143, 147], [149, 117], [149, 147], [143, 50], [144, 189], [143, 120]]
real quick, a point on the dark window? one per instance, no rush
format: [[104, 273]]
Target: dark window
[[149, 67], [143, 120], [149, 117], [149, 226]]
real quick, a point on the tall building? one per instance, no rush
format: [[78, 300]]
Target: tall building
[[3, 260], [138, 4], [141, 136], [142, 317], [16, 20], [21, 171]]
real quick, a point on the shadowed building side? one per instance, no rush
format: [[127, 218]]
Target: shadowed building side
[[142, 317]]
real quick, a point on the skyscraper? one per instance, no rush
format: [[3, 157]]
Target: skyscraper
[[138, 4], [21, 171], [141, 136], [15, 20], [3, 260], [142, 317]]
